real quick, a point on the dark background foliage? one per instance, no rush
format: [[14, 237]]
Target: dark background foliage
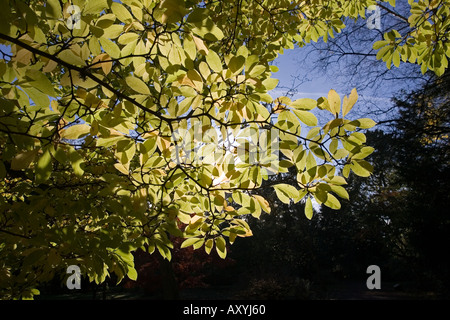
[[397, 219]]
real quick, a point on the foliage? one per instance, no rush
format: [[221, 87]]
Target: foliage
[[423, 155], [425, 43], [398, 217], [125, 124]]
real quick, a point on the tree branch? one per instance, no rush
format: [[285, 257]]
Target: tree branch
[[392, 12], [82, 70]]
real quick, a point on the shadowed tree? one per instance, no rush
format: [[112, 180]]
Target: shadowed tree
[[125, 124]]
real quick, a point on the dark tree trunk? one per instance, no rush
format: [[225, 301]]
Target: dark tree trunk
[[169, 281]]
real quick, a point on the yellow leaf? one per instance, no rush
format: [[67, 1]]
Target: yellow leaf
[[128, 37], [308, 208], [214, 61], [193, 79], [75, 131], [200, 44], [70, 57], [306, 117], [335, 102], [190, 47], [263, 202], [137, 85], [332, 202], [98, 62], [121, 12], [349, 102], [122, 168], [110, 47]]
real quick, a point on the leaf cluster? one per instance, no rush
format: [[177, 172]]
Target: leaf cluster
[[146, 120]]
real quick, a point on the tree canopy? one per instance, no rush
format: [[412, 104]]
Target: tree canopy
[[125, 124]]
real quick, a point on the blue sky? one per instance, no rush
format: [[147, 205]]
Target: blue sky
[[372, 102], [316, 87]]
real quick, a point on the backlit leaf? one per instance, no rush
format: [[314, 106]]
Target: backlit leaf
[[306, 117], [361, 168], [304, 104], [137, 85], [308, 208], [334, 101], [332, 202], [214, 61], [110, 48], [349, 102], [75, 131], [364, 123], [286, 192], [121, 12]]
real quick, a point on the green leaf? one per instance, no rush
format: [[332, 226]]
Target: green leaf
[[94, 6], [363, 153], [128, 37], [121, 12], [313, 133], [332, 202], [137, 85], [23, 160], [379, 44], [396, 59], [364, 123], [110, 47], [70, 57], [241, 198], [75, 131], [53, 9], [286, 192], [213, 60], [287, 121], [174, 10], [334, 101], [304, 104], [195, 80], [263, 203], [40, 82], [209, 245], [208, 30], [340, 191], [105, 21], [306, 117], [336, 180], [361, 168], [299, 158], [192, 241], [132, 273], [349, 102], [44, 167], [256, 70], [236, 64], [107, 142], [308, 208], [76, 161], [122, 168], [310, 161], [270, 83], [190, 47], [39, 98], [221, 247]]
